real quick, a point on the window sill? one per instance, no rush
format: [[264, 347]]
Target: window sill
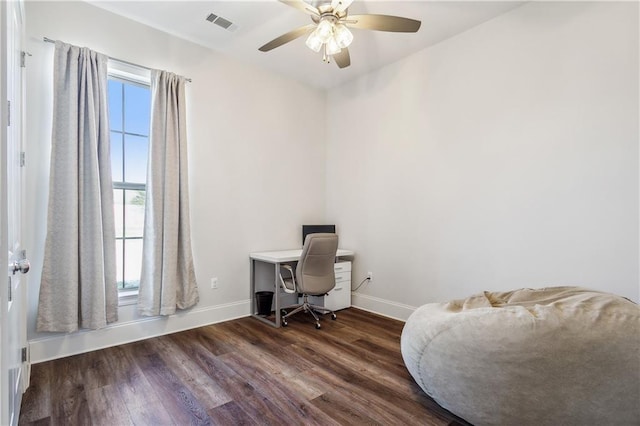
[[126, 298]]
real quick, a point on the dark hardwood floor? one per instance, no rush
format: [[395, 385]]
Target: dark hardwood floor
[[240, 372]]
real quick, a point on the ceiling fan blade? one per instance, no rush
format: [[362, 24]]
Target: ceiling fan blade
[[340, 5], [303, 6], [287, 37], [342, 58], [383, 23]]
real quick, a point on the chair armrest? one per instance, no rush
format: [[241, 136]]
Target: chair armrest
[[288, 285]]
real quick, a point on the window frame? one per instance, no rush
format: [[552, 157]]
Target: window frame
[[132, 75]]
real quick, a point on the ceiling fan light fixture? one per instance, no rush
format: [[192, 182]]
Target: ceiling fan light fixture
[[330, 30], [324, 30], [342, 35], [333, 47], [314, 42]]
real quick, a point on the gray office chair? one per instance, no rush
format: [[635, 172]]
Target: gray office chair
[[314, 275]]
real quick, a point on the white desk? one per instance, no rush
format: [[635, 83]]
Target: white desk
[[276, 258]]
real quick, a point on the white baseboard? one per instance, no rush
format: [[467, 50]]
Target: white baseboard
[[63, 345], [48, 348], [382, 307]]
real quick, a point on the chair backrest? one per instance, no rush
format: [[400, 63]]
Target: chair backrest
[[315, 274]]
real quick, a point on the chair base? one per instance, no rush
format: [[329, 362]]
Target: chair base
[[306, 307]]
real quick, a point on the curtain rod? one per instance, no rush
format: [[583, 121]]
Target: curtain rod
[[48, 40]]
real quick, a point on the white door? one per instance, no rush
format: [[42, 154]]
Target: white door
[[12, 292]]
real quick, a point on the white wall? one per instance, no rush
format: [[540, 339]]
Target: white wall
[[243, 124], [504, 157]]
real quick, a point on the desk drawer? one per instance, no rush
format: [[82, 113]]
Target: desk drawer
[[343, 276], [338, 298], [342, 266]]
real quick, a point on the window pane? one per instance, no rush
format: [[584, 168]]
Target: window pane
[[118, 210], [134, 213], [129, 109], [119, 263], [137, 106], [132, 263], [115, 105], [116, 156], [136, 149]]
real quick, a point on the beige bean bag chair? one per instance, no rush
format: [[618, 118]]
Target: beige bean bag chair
[[553, 356]]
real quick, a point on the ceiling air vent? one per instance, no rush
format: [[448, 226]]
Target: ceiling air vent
[[221, 22]]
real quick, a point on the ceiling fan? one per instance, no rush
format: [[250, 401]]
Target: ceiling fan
[[330, 33]]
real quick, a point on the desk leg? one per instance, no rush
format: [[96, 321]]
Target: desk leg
[[252, 296], [276, 294], [252, 288]]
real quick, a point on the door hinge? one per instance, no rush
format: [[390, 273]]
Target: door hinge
[[24, 354], [10, 298], [22, 159]]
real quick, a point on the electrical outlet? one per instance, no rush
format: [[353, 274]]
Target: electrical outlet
[[370, 276], [214, 283]]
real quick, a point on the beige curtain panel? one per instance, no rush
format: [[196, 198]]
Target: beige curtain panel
[[168, 279], [78, 286]]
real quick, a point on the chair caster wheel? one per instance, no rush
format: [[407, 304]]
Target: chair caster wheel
[[283, 312], [317, 326], [285, 323], [334, 317]]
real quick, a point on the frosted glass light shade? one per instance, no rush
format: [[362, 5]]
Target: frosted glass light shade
[[342, 35], [332, 47], [313, 42], [324, 31]]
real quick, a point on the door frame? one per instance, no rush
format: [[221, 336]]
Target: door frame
[[8, 68]]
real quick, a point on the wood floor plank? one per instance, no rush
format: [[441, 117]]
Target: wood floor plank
[[140, 399], [95, 372], [211, 338], [241, 372], [286, 399], [346, 363], [68, 397], [342, 410], [41, 422], [306, 385], [37, 400], [365, 395], [231, 414], [105, 404], [208, 363], [181, 404], [254, 404], [253, 332], [203, 387]]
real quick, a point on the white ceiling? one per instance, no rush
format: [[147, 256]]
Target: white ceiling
[[259, 21]]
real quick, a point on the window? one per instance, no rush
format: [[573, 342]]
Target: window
[[129, 116]]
